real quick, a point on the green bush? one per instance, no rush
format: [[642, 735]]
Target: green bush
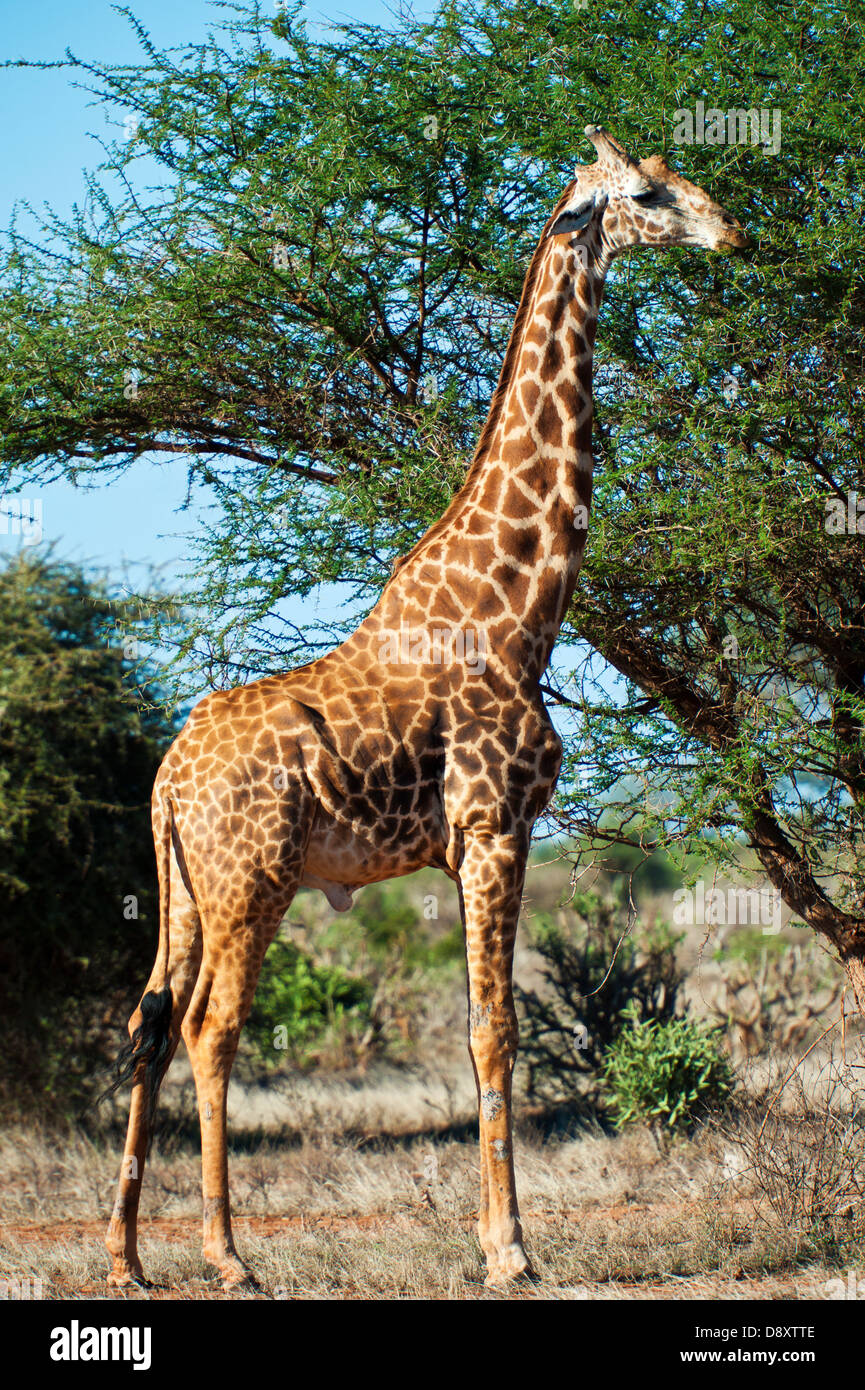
[[354, 987], [82, 734], [385, 933], [665, 1074], [593, 971], [298, 1002]]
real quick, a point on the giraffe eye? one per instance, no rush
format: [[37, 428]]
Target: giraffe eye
[[644, 197]]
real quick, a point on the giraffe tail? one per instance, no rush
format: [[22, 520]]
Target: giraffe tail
[[150, 1044]]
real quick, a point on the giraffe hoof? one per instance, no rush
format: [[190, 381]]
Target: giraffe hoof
[[240, 1283], [508, 1265], [128, 1279], [237, 1278]]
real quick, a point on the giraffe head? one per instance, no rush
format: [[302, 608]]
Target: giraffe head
[[642, 203]]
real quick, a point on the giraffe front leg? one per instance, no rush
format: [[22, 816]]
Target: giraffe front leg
[[491, 878]]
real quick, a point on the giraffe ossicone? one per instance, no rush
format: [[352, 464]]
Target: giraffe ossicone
[[390, 766]]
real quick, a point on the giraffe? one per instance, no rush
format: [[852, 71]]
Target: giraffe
[[421, 740]]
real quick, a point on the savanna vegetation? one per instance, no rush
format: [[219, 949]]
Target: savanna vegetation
[[292, 277]]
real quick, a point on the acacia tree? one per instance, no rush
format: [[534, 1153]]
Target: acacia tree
[[310, 309]]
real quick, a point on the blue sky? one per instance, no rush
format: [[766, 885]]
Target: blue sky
[[130, 529], [49, 124]]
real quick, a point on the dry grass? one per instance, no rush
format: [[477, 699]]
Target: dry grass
[[329, 1215], [365, 1186]]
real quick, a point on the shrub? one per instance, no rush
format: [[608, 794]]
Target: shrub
[[592, 975], [665, 1074], [358, 985], [297, 1002], [81, 738], [802, 1149], [385, 932], [772, 995], [407, 959]]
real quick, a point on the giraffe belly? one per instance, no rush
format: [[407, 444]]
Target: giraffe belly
[[339, 859]]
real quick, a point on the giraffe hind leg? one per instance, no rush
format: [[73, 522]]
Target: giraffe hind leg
[[154, 1036], [238, 936]]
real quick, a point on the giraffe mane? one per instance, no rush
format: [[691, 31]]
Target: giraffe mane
[[498, 398]]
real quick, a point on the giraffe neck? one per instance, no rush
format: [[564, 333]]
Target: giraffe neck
[[505, 555]]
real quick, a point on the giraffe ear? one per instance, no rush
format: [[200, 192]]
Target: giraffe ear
[[573, 219]]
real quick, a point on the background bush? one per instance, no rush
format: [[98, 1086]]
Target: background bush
[[357, 986], [80, 742], [297, 1003], [592, 972], [666, 1074]]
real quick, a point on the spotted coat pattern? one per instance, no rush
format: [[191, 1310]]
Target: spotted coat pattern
[[358, 768]]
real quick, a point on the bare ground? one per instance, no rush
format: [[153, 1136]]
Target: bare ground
[[325, 1210], [350, 1186]]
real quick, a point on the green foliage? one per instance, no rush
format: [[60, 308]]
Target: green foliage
[[593, 971], [80, 742], [648, 871], [665, 1073], [344, 218], [387, 931], [358, 987], [407, 958], [298, 1002]]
